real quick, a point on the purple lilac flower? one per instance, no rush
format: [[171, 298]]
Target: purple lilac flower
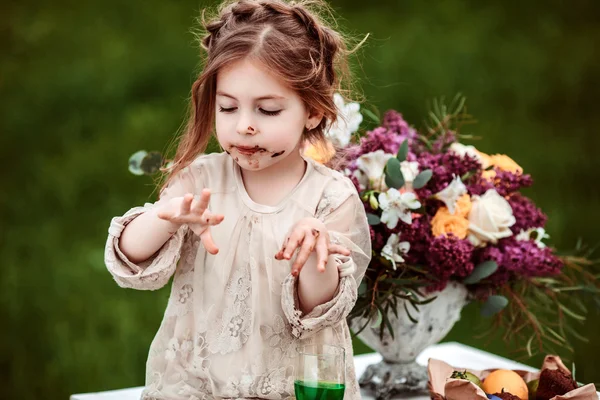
[[443, 141], [380, 139], [444, 167], [418, 234], [394, 122], [526, 213], [378, 240], [527, 259], [505, 183], [449, 256]]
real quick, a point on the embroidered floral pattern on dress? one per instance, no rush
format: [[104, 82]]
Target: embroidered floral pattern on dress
[[234, 326]]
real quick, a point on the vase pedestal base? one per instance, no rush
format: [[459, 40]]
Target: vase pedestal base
[[387, 379]]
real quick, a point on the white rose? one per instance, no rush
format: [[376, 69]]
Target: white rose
[[370, 169], [463, 150], [452, 193], [490, 218]]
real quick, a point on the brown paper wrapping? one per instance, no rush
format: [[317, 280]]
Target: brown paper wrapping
[[441, 387]]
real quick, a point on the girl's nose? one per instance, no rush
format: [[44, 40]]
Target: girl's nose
[[246, 126]]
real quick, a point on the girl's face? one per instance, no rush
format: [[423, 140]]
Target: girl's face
[[259, 121]]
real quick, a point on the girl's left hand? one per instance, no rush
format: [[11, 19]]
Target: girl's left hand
[[309, 234]]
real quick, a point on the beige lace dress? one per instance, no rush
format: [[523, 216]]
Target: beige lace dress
[[232, 323]]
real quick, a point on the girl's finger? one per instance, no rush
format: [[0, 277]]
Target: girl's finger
[[212, 219], [202, 204], [337, 249], [208, 242], [293, 243], [186, 204], [322, 254], [308, 245]]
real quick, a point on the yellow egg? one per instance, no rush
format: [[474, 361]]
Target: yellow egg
[[508, 380]]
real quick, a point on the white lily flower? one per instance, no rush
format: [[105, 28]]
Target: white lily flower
[[535, 234], [464, 150], [348, 120], [394, 249], [397, 206], [370, 169], [410, 170], [452, 193]]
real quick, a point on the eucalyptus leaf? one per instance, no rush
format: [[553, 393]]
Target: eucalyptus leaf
[[402, 151], [362, 288], [373, 219], [393, 174], [481, 271], [494, 305], [135, 162], [422, 179]]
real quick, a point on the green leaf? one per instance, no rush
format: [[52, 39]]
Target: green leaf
[[362, 288], [135, 162], [387, 323], [422, 179], [481, 271], [528, 347], [373, 219], [494, 305], [403, 151], [571, 313], [378, 320], [410, 317], [371, 115], [393, 174]]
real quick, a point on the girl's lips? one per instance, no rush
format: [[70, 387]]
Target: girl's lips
[[248, 151]]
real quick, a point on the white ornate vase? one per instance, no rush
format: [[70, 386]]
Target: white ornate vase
[[399, 372]]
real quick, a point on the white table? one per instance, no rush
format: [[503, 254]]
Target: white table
[[456, 354]]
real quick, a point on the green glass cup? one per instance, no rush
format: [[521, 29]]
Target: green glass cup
[[320, 372]]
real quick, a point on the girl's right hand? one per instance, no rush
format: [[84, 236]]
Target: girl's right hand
[[194, 213]]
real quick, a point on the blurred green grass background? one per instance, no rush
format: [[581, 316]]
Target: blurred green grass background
[[83, 85]]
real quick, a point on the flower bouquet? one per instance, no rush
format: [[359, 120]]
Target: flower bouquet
[[442, 212]]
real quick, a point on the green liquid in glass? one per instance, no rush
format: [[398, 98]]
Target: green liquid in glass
[[319, 390]]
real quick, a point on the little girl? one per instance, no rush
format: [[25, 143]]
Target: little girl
[[267, 247]]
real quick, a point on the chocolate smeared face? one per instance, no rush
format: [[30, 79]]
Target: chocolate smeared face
[[259, 120]]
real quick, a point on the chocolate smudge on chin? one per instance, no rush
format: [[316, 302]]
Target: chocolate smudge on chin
[[277, 154]]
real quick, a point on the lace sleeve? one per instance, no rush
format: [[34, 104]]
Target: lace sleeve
[[348, 226], [155, 272]]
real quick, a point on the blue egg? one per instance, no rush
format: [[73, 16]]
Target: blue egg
[[492, 397]]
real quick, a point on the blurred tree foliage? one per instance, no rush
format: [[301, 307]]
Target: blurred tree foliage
[[83, 85]]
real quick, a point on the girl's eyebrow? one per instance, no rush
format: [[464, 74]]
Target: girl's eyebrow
[[267, 97]]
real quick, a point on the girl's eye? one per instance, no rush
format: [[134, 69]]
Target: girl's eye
[[226, 110], [271, 113]]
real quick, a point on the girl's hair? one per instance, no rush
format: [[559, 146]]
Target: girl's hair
[[288, 39]]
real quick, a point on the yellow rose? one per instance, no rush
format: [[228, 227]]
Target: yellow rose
[[463, 206], [505, 163], [484, 158], [321, 152], [444, 223]]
